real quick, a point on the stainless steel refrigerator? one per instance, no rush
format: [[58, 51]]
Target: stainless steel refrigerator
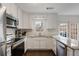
[[2, 31]]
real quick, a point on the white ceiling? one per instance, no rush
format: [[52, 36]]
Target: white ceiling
[[60, 8]]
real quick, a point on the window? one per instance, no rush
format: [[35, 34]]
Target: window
[[68, 30], [63, 29], [39, 25]]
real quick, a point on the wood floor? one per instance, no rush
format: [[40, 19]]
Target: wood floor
[[39, 53]]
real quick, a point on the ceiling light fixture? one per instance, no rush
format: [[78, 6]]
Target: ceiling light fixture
[[49, 8]]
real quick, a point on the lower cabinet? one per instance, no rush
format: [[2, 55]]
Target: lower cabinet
[[32, 44], [69, 52], [39, 43], [76, 52], [8, 50], [54, 45], [43, 44]]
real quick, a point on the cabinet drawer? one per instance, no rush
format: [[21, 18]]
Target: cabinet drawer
[[9, 51], [8, 54]]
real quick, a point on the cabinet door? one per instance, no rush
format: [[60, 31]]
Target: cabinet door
[[29, 43], [69, 52], [14, 10], [20, 18], [45, 43], [32, 43], [35, 44], [49, 43], [54, 45], [9, 51], [76, 52], [8, 7], [42, 44], [25, 21]]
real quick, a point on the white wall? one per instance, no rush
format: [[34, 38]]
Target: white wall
[[66, 18]]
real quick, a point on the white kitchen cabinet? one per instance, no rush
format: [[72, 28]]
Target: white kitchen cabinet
[[35, 44], [54, 45], [29, 43], [39, 43], [76, 52], [11, 9], [20, 18], [49, 43], [8, 7], [32, 44], [14, 10], [23, 19], [69, 52], [42, 44], [9, 51], [26, 24]]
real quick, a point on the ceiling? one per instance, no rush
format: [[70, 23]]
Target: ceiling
[[60, 8]]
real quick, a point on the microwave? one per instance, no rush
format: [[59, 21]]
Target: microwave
[[11, 21]]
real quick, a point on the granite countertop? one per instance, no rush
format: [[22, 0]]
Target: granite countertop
[[71, 43]]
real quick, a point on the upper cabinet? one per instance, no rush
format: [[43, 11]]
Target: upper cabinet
[[8, 7], [26, 22], [11, 9], [14, 10], [22, 17]]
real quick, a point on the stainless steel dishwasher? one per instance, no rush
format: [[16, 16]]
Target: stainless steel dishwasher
[[61, 49]]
